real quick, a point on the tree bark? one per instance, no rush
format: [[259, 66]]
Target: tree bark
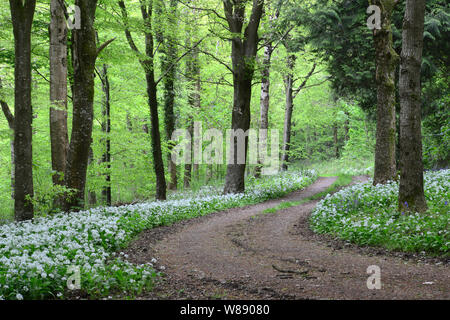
[[194, 99], [264, 105], [288, 83], [411, 192], [22, 18], [336, 141], [244, 47], [106, 129], [84, 56], [58, 92], [92, 196], [188, 166], [386, 62], [147, 64], [290, 96], [169, 63]]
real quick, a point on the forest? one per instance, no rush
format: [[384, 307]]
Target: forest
[[226, 136]]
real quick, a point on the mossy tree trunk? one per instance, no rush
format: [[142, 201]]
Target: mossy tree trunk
[[22, 14], [386, 65], [84, 55]]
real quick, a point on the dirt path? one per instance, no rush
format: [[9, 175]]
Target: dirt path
[[244, 254]]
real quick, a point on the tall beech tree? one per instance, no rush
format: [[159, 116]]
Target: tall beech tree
[[168, 63], [85, 53], [291, 93], [411, 192], [289, 87], [147, 62], [244, 46], [194, 100], [58, 91], [106, 130], [265, 89], [22, 14], [386, 65], [264, 103], [194, 87]]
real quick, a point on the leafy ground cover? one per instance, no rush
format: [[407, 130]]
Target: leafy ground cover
[[368, 215], [338, 167], [38, 257]]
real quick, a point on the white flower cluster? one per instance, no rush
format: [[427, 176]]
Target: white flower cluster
[[357, 171], [35, 255], [369, 214]]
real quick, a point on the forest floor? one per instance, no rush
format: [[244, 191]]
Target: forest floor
[[243, 253]]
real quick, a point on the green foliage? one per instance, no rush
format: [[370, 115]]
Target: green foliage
[[45, 201], [436, 122], [340, 35], [341, 181], [283, 205]]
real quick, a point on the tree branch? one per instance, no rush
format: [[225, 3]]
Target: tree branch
[[104, 45], [317, 84], [203, 9], [218, 60], [6, 111], [127, 30], [178, 59], [305, 81]]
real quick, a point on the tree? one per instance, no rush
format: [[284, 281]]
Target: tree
[[291, 93], [288, 85], [147, 62], [243, 53], [58, 91], [169, 63], [85, 53], [264, 102], [411, 192], [22, 14], [265, 91], [386, 65], [106, 130], [194, 100]]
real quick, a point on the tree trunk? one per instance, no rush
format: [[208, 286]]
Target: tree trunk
[[156, 137], [92, 196], [147, 64], [386, 61], [106, 129], [411, 193], [58, 92], [169, 61], [336, 141], [84, 56], [288, 82], [244, 47], [194, 99], [188, 166], [22, 19], [264, 106]]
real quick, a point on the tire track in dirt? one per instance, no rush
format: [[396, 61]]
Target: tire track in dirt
[[242, 253]]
